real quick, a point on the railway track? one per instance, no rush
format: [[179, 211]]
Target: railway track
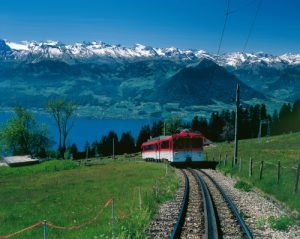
[[232, 225], [203, 211]]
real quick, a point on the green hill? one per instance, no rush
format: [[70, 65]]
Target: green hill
[[66, 194], [284, 148]]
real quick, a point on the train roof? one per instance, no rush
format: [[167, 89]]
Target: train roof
[[182, 134], [188, 134], [159, 138]]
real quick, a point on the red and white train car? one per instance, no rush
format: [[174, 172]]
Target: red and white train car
[[178, 148]]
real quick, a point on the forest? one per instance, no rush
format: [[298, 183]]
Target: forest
[[219, 127]]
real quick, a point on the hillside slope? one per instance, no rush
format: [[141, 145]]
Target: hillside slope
[[283, 148]]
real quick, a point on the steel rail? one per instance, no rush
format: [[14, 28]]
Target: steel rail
[[181, 216], [233, 208], [211, 225]]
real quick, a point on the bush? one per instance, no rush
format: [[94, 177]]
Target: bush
[[280, 223], [243, 186], [22, 135]]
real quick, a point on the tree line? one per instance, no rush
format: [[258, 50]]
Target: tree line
[[23, 135], [220, 126], [104, 147]]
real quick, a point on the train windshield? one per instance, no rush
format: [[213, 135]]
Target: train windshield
[[197, 142], [187, 143]]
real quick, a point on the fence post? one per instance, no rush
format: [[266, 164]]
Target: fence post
[[297, 178], [166, 169], [261, 169], [278, 172], [140, 198], [240, 168], [45, 229], [250, 167], [112, 218], [220, 157], [225, 159]]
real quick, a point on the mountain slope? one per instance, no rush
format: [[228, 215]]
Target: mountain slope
[[203, 84]]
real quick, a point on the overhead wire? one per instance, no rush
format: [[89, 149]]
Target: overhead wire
[[252, 24], [229, 12], [242, 6], [224, 27]]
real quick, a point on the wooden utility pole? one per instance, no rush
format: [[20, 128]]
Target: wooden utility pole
[[113, 148], [237, 101], [297, 178]]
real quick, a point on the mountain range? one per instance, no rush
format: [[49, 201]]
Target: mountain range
[[114, 81]]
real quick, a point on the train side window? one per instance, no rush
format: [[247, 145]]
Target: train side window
[[149, 147], [165, 145]]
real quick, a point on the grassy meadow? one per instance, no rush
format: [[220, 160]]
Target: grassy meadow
[[67, 194], [284, 148]]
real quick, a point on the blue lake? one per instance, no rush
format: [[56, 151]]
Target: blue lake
[[88, 129]]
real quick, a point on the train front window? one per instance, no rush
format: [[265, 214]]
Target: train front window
[[197, 142], [178, 143], [187, 143]]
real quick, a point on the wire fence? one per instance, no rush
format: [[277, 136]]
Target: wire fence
[[260, 169], [92, 220]]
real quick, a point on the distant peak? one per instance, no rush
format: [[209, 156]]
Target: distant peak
[[205, 63], [39, 50]]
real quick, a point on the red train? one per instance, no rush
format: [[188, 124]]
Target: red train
[[179, 148]]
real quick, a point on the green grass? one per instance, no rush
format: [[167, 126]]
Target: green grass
[[285, 148], [66, 194], [48, 166]]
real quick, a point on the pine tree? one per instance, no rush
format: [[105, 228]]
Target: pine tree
[[74, 151], [285, 121], [196, 124], [296, 116], [144, 135], [126, 144], [157, 128]]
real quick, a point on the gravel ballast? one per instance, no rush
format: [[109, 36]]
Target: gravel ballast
[[256, 208], [162, 226]]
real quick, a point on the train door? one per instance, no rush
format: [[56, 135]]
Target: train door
[[188, 149], [157, 151]]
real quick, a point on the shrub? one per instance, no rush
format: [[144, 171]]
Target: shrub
[[280, 223], [243, 186]]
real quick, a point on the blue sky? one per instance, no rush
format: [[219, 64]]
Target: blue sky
[[160, 23]]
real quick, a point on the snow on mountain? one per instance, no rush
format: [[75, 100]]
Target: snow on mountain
[[22, 46], [35, 51], [236, 59]]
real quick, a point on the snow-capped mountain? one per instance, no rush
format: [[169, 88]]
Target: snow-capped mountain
[[117, 81], [35, 51]]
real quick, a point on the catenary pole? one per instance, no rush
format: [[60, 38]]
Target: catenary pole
[[113, 157]]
